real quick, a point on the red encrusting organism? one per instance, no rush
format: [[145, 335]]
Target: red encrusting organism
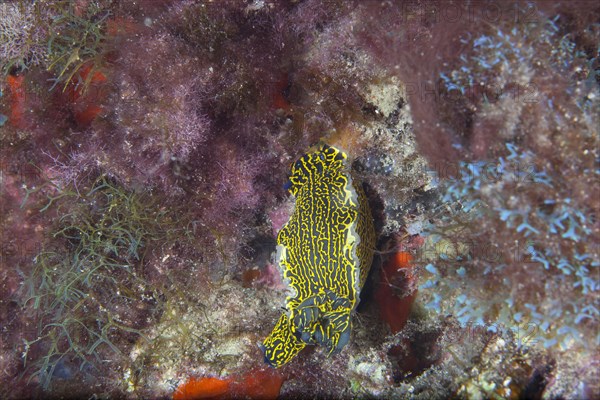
[[263, 383], [201, 388], [395, 296], [17, 100], [86, 94], [397, 290]]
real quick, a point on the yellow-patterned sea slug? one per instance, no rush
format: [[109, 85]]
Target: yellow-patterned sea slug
[[324, 252]]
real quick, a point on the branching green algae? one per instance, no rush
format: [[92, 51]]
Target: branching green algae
[[74, 41], [87, 286]]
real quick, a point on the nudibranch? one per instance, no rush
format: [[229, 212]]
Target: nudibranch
[[324, 252]]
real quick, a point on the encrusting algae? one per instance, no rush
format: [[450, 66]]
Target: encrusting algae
[[325, 252]]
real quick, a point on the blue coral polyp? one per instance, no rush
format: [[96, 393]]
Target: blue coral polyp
[[324, 252]]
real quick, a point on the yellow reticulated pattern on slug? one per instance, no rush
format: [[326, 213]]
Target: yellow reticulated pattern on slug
[[325, 252]]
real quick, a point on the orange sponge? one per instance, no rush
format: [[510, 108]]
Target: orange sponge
[[201, 388], [263, 384]]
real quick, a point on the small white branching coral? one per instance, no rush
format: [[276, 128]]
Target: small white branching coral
[[21, 39]]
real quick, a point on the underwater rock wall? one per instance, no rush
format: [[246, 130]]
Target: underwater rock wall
[[144, 150]]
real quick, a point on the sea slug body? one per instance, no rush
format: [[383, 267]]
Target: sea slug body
[[325, 252]]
